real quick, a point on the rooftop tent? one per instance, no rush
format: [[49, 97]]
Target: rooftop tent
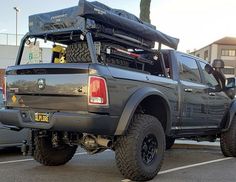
[[60, 20], [124, 20], [74, 19]]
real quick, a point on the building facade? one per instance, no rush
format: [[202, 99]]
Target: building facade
[[224, 49]]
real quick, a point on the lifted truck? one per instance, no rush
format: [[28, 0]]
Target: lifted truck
[[105, 87]]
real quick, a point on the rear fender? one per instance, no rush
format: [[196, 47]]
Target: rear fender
[[132, 105]]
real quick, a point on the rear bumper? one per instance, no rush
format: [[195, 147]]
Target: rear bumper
[[63, 121]]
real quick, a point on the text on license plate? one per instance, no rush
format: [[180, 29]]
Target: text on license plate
[[41, 117]]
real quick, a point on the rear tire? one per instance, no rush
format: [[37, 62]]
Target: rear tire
[[48, 155], [228, 141], [140, 152]]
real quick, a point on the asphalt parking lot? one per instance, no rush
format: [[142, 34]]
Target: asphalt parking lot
[[183, 163]]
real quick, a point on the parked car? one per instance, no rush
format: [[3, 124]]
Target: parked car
[[10, 138]]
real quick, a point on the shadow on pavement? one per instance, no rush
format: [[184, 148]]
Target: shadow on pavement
[[12, 151]]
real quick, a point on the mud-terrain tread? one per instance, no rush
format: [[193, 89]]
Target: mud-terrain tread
[[78, 53], [125, 158], [228, 141], [48, 156], [224, 146]]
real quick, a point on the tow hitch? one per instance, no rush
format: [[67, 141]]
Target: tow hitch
[[25, 148], [27, 145]]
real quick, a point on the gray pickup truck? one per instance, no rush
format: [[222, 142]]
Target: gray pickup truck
[[104, 87]]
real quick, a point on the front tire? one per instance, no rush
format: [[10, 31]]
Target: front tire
[[48, 155], [140, 152], [228, 141]]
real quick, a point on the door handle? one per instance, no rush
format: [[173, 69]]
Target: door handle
[[212, 94], [188, 90]]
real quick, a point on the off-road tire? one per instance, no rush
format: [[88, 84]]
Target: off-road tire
[[129, 148], [169, 142], [78, 53], [47, 155], [228, 141]]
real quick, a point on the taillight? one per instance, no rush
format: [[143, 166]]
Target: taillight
[[97, 91], [4, 89]]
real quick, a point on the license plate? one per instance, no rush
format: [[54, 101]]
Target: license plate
[[41, 117]]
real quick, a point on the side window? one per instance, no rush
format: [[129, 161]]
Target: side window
[[210, 79], [189, 70]]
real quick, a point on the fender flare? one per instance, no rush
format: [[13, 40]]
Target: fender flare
[[132, 104], [231, 112]]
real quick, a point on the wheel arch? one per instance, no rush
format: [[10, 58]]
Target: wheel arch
[[229, 116], [144, 97]]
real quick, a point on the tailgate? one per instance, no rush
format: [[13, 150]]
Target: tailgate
[[48, 86]]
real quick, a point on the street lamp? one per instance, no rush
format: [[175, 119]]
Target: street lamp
[[17, 11]]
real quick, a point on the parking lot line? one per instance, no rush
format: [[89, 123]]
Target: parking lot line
[[193, 165], [81, 153], [186, 167], [30, 159], [16, 161], [126, 180]]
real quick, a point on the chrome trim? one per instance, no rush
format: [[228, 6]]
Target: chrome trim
[[193, 127]]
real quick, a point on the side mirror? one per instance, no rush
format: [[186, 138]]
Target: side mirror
[[218, 64], [230, 83]]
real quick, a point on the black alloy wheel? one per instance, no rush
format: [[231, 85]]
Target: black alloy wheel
[[149, 149]]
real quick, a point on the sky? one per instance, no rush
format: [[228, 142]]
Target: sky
[[196, 23]]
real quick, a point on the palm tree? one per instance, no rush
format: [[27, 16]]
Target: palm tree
[[145, 10]]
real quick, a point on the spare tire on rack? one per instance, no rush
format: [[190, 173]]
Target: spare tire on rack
[[78, 53]]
